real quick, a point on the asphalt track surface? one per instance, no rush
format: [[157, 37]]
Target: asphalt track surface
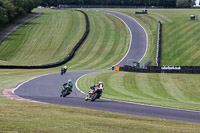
[[47, 88]]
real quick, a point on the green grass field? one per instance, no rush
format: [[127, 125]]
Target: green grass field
[[169, 90], [45, 39], [26, 117], [179, 91], [21, 116], [180, 43], [106, 44]]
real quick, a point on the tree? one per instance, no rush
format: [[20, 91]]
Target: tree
[[183, 3], [10, 9], [3, 16]]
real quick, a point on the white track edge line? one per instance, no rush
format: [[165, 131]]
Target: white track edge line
[[140, 60], [13, 91], [76, 84], [131, 32], [102, 98], [130, 38]]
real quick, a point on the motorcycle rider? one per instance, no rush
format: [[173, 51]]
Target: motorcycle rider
[[68, 84], [64, 69], [98, 86]]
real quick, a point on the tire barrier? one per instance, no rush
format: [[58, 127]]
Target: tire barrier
[[158, 56], [163, 69], [61, 62]]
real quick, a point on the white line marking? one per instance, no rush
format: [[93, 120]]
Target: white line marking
[[142, 28], [130, 38], [140, 60], [13, 91], [103, 98]]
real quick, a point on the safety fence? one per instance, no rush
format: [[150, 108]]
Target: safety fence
[[159, 41], [61, 62], [161, 69]]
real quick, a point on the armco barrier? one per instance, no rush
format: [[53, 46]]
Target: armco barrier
[[163, 69], [59, 63], [158, 56]]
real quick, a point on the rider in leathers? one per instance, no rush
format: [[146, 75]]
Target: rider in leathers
[[98, 86], [68, 84]]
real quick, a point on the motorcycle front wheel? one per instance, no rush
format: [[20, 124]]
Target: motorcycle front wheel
[[94, 97]]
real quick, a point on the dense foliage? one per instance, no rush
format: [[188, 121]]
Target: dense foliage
[[163, 3], [11, 9]]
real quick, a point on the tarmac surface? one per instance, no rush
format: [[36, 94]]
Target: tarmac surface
[[47, 88]]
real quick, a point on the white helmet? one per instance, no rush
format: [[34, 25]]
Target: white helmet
[[70, 81], [100, 82]]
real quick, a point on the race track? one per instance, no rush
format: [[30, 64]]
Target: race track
[[47, 88]]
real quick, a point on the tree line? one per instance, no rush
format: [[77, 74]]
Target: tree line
[[163, 3], [12, 9]]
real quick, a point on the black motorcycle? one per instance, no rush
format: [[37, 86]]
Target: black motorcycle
[[94, 94], [63, 71], [65, 91]]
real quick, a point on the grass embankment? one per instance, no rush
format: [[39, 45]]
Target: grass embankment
[[106, 44], [23, 117], [180, 42], [181, 38], [169, 90], [45, 39], [20, 116], [150, 25]]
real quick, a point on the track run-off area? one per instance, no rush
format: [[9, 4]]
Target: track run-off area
[[47, 88]]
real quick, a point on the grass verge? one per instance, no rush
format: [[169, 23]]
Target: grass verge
[[180, 42], [19, 116], [169, 90], [45, 39], [106, 45]]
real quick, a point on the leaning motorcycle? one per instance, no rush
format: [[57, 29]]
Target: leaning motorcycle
[[65, 91], [94, 94], [63, 71]]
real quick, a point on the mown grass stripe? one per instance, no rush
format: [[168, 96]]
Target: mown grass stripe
[[169, 90], [107, 40], [51, 29], [96, 43], [102, 43], [89, 44], [108, 43]]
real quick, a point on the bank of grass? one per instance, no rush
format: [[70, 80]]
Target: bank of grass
[[23, 117], [150, 25], [180, 36], [169, 90], [106, 45], [20, 116], [45, 39], [50, 38]]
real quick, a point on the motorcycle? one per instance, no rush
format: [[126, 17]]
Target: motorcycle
[[65, 91], [63, 71], [94, 94]]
